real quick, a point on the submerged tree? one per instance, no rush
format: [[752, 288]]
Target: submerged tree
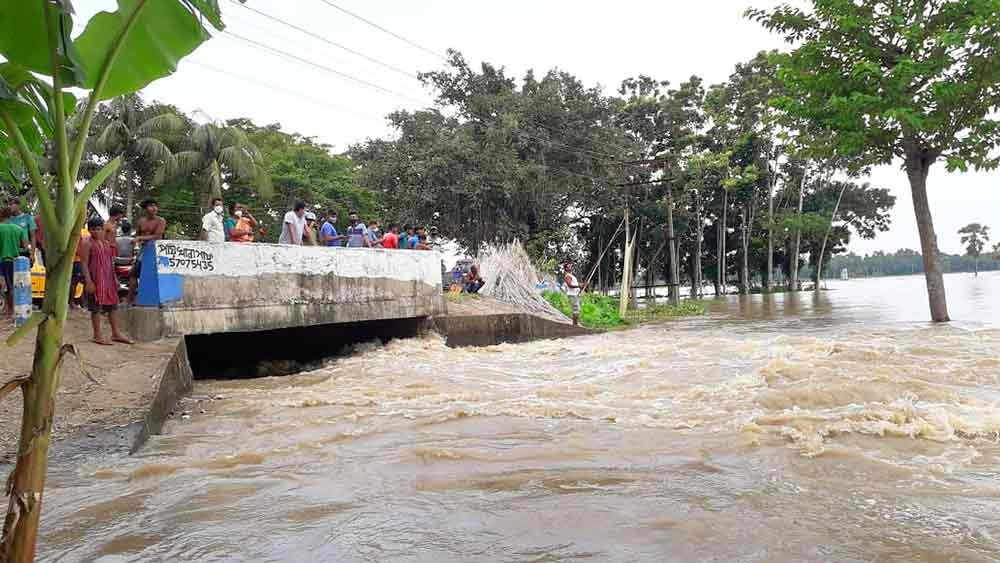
[[975, 237], [117, 52], [882, 80]]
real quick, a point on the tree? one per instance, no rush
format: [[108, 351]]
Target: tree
[[494, 161], [117, 52], [133, 133], [299, 168], [664, 126], [975, 237], [880, 80], [860, 208], [906, 262], [219, 154]]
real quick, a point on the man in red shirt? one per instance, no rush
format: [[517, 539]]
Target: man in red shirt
[[391, 238]]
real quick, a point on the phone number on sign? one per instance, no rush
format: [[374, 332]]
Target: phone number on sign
[[192, 264]]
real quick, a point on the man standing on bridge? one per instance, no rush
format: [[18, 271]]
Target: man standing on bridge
[[294, 225], [328, 234], [149, 229], [212, 229]]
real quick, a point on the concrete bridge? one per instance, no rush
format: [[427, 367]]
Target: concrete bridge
[[193, 287]]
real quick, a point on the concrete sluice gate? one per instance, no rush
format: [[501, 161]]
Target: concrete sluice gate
[[191, 288], [240, 355]]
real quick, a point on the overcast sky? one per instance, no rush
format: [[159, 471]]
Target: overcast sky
[[598, 41]]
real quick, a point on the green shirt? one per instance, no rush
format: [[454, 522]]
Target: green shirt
[[11, 236], [26, 221]]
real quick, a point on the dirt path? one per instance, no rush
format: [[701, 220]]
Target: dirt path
[[124, 382]]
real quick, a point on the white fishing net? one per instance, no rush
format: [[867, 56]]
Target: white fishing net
[[511, 277]]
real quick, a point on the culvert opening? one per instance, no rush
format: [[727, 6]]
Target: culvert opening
[[244, 355]]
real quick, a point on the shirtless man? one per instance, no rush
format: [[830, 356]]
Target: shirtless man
[[149, 228]]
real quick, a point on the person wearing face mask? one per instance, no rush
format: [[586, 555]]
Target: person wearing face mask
[[212, 229], [240, 225]]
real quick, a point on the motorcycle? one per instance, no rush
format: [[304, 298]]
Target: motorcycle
[[124, 262]]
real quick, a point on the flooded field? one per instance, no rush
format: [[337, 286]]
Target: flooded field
[[829, 427]]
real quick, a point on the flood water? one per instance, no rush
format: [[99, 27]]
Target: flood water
[[829, 427]]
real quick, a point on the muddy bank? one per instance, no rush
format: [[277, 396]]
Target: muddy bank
[[102, 412]]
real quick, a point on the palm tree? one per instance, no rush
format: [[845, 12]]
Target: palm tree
[[218, 155], [134, 134]]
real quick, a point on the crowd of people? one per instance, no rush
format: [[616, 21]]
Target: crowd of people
[[106, 243], [303, 227]]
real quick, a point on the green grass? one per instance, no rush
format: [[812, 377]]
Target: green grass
[[596, 311], [601, 312]]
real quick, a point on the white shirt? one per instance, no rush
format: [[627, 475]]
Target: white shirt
[[295, 224], [211, 223], [570, 280]]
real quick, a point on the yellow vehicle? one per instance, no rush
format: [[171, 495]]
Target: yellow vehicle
[[38, 283]]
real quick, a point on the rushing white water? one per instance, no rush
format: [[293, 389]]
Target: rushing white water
[[830, 427]]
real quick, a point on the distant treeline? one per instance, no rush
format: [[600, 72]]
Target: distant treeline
[[902, 262]]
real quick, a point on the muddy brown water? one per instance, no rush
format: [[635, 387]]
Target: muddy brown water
[[830, 427]]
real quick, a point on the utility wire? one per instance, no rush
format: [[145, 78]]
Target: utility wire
[[344, 75], [432, 52], [569, 149], [384, 30], [328, 41], [411, 75], [288, 91]]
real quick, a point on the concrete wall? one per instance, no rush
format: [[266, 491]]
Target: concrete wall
[[194, 287], [489, 330], [176, 381]]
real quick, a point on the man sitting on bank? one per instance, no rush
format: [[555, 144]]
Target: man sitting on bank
[[473, 281]]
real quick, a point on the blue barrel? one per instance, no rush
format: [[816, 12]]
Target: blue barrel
[[22, 290]]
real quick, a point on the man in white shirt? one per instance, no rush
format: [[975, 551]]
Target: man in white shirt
[[211, 224], [293, 225]]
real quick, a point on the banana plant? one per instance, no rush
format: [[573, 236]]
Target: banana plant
[[117, 52]]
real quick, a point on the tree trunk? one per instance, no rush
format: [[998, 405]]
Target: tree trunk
[[770, 229], [745, 243], [917, 167], [718, 257], [721, 260], [793, 283], [975, 265], [130, 201], [27, 481], [600, 263], [674, 293], [693, 279], [699, 235], [113, 182], [826, 237]]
